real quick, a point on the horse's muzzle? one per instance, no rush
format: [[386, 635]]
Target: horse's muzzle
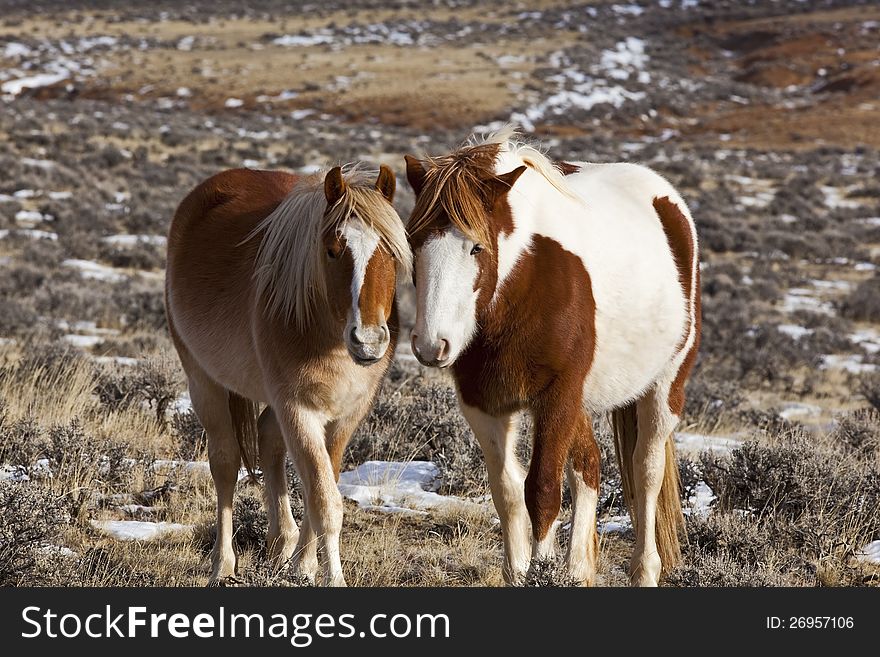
[[431, 354], [367, 344]]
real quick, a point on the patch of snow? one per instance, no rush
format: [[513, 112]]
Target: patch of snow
[[95, 271], [627, 10], [615, 524], [803, 299], [836, 286], [290, 40], [585, 96], [186, 43], [394, 485], [15, 50], [29, 233], [698, 442], [870, 553], [284, 95], [852, 363], [59, 550], [31, 217], [183, 403], [45, 165], [627, 57], [233, 102], [15, 87], [794, 331], [298, 114], [139, 530], [868, 339], [836, 198], [795, 410], [133, 240], [700, 503], [14, 473], [83, 341], [116, 360]]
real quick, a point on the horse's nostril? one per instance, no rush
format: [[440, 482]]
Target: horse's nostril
[[444, 349], [354, 336], [384, 329]]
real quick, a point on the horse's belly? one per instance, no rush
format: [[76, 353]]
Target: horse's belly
[[637, 337], [223, 349]]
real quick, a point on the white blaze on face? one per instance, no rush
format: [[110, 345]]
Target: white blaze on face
[[446, 300], [361, 243]]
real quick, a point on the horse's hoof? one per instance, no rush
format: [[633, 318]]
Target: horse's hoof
[[229, 580]]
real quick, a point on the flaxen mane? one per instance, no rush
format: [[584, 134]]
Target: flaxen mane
[[289, 269], [457, 184]]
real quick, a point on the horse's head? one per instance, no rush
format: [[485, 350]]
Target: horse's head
[[461, 210], [364, 249]]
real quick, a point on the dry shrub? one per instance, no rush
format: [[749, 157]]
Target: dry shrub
[[863, 303], [420, 420], [794, 510], [190, 434], [31, 518], [151, 383]]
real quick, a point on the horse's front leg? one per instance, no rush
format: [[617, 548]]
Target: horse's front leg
[[497, 438], [583, 482], [305, 437], [556, 415]]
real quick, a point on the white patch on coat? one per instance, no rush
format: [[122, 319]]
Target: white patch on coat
[[641, 310], [361, 243], [447, 302]]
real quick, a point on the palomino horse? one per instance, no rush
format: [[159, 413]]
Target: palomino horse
[[568, 290], [280, 290]]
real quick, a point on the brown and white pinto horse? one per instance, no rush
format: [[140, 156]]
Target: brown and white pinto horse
[[567, 296], [280, 290]]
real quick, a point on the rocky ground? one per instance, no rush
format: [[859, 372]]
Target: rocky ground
[[764, 114]]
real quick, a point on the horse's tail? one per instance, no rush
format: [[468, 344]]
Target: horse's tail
[[670, 520], [244, 414]]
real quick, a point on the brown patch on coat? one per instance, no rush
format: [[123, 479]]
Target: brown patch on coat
[[540, 365], [681, 244], [585, 456], [567, 168], [676, 391]]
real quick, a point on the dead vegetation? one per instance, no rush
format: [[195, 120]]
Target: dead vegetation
[[778, 161]]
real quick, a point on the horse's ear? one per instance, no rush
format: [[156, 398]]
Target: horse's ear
[[415, 173], [334, 185], [386, 183], [502, 184]]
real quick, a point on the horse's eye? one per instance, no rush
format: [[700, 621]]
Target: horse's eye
[[477, 249], [331, 254]]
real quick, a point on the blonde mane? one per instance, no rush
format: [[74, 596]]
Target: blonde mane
[[456, 184], [289, 269]]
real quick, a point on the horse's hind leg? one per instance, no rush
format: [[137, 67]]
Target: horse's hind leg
[[283, 533], [211, 404], [497, 438], [583, 481], [651, 472]]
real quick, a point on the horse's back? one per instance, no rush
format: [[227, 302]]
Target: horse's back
[[208, 281], [633, 255]]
